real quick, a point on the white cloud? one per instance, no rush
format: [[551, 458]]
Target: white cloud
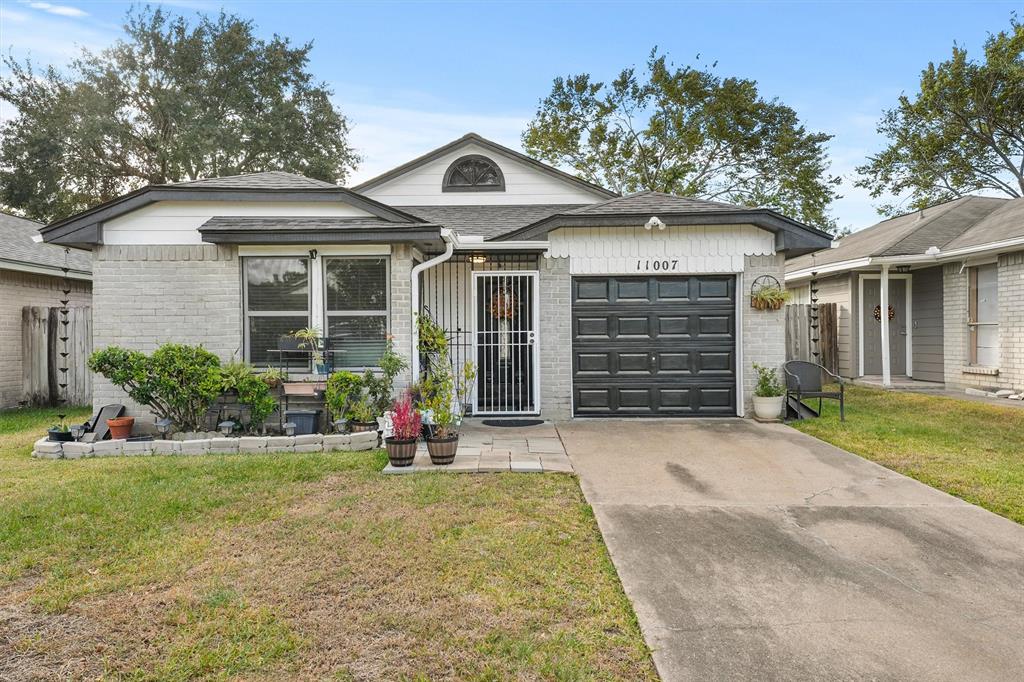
[[59, 10]]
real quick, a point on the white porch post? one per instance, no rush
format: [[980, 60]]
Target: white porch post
[[884, 307]]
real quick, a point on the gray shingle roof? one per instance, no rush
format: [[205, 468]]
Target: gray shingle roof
[[654, 202], [487, 221], [1006, 222], [906, 235], [16, 245], [264, 180]]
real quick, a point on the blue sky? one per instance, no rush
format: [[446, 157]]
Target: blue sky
[[414, 75]]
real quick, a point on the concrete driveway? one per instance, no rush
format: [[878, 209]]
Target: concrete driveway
[[755, 552]]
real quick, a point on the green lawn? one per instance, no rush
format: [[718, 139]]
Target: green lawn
[[306, 566], [970, 449]]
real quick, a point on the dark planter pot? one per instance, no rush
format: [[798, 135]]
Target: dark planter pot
[[58, 436], [360, 427], [400, 451], [442, 450], [121, 427]]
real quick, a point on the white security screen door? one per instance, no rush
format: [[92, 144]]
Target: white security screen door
[[506, 342]]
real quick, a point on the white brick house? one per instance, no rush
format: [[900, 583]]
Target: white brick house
[[570, 299], [951, 278]]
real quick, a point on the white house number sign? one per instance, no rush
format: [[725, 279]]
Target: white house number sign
[[657, 264]]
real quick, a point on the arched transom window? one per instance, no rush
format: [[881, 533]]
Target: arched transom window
[[473, 173]]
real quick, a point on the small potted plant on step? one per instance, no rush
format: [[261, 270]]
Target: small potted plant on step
[[446, 396], [59, 432], [310, 338], [405, 421], [768, 393]]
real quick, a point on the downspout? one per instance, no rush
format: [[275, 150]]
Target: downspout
[[449, 240]]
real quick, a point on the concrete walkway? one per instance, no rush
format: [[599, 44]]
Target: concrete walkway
[[755, 552]]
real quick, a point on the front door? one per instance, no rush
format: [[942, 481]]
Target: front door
[[506, 342], [873, 326]]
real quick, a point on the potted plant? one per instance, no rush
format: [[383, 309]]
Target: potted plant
[[347, 399], [769, 298], [768, 394], [309, 337], [446, 395], [405, 420], [59, 432], [121, 427], [273, 377]]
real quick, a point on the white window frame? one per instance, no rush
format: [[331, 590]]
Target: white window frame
[[326, 314], [246, 313], [973, 324]]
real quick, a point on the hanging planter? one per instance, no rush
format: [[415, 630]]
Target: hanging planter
[[766, 293]]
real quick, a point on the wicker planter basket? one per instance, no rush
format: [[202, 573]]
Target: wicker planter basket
[[400, 451], [442, 450], [362, 427]]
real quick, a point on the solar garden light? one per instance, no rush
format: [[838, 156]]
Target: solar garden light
[[339, 425], [226, 427], [289, 428], [163, 426], [77, 430]]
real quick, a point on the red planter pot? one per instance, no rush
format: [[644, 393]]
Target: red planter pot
[[121, 427]]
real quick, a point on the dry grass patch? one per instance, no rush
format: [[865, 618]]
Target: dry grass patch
[[304, 566]]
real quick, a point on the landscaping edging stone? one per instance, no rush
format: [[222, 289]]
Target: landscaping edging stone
[[340, 442]]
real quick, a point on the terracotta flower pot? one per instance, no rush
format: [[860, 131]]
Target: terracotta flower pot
[[442, 450], [121, 427], [400, 451]]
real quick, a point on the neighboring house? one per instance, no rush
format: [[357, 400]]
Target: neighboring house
[[31, 274], [953, 277], [570, 299]]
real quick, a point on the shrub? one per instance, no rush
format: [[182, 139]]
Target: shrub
[[768, 384], [177, 382], [343, 389], [405, 418]]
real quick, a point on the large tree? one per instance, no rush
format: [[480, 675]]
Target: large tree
[[962, 133], [689, 132], [174, 100]]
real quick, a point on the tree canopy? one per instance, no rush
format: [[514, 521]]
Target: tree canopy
[[689, 132], [962, 133], [174, 100]]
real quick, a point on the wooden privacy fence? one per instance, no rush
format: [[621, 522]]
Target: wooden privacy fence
[[799, 343], [41, 361]]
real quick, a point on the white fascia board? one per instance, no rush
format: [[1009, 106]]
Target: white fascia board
[[43, 270], [827, 269], [464, 244]]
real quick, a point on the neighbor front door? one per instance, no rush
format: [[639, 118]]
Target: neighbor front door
[[898, 321]]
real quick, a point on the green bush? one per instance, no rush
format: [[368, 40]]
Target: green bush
[[253, 392], [768, 384], [343, 389], [177, 382]]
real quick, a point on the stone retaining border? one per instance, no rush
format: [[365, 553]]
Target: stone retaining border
[[340, 442]]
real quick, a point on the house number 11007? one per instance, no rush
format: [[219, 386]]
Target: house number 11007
[[664, 265]]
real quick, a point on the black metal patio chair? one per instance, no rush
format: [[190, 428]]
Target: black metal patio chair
[[803, 380]]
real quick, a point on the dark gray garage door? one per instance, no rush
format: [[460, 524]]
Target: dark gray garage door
[[654, 346]]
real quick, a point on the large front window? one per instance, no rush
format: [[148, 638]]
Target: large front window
[[983, 310], [346, 298]]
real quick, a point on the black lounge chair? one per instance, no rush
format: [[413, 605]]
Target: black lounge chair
[[803, 380], [96, 428]]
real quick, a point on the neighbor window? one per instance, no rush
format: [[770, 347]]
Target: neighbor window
[[356, 309], [276, 304], [983, 315]]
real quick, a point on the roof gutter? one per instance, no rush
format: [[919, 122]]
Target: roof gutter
[[449, 238], [912, 259], [51, 270]]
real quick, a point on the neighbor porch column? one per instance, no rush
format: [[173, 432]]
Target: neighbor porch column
[[884, 308]]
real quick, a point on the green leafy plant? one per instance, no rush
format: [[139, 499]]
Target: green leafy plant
[[177, 382], [310, 338], [768, 384], [273, 377], [770, 298], [60, 427], [343, 389], [433, 341], [445, 394], [381, 387], [255, 394], [235, 372]]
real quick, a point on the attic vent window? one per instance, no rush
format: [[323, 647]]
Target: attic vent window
[[473, 173]]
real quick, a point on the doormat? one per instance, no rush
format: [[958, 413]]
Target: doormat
[[513, 422]]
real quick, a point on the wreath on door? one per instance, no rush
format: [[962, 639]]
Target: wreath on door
[[878, 313], [503, 309]]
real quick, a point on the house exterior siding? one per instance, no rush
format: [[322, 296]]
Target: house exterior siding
[[763, 332], [1011, 326], [17, 290], [928, 324]]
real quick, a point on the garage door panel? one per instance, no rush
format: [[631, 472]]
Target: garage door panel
[[649, 346]]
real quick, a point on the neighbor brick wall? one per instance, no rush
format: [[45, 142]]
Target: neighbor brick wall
[[1011, 326], [17, 290], [555, 339], [763, 334], [145, 296]]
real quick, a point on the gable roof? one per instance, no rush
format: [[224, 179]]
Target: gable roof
[[636, 209], [488, 221], [473, 138], [1003, 224], [910, 234], [85, 229], [20, 252]]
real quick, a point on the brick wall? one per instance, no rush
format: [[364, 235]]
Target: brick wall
[[555, 339], [763, 333], [1011, 326], [401, 300], [145, 296], [17, 290]]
